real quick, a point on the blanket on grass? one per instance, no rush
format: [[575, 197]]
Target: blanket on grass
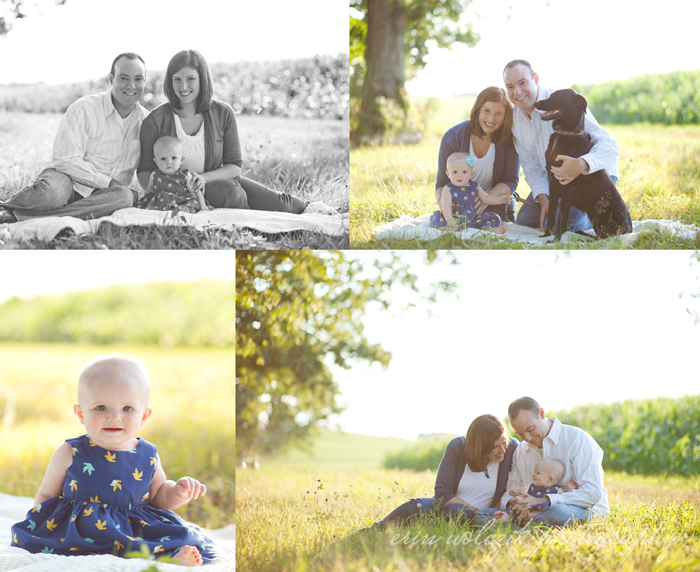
[[408, 228], [13, 509], [263, 221]]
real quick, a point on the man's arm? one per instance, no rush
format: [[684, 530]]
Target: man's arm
[[605, 148], [515, 480], [70, 146], [586, 458], [535, 174]]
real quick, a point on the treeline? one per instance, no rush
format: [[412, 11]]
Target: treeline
[[652, 436], [312, 88], [670, 98], [189, 314]]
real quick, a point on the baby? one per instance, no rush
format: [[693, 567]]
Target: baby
[[459, 199], [105, 492], [548, 472], [170, 187]]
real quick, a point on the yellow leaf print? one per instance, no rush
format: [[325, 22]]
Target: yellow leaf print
[[91, 443], [145, 497], [115, 484], [62, 539], [111, 457], [132, 539], [137, 475], [101, 524], [72, 518], [158, 549], [119, 545], [144, 523], [96, 499], [74, 549], [50, 524], [153, 461], [88, 511], [15, 537], [74, 485], [74, 451], [37, 508]]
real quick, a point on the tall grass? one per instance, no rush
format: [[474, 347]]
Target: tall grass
[[192, 422], [311, 519]]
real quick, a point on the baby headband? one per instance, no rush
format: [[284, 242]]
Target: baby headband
[[469, 161]]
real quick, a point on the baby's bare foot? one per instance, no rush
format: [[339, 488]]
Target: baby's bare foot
[[189, 556]]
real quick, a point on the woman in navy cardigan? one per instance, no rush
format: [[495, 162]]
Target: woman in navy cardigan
[[472, 476], [488, 137]]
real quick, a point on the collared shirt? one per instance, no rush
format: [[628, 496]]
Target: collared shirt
[[582, 458], [531, 138], [94, 144]]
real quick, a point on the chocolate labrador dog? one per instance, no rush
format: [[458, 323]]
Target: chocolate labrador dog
[[595, 194]]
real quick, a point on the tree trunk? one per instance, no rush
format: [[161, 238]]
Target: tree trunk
[[384, 55], [384, 61]]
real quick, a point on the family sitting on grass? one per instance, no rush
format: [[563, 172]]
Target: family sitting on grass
[[505, 131], [553, 477], [108, 147]]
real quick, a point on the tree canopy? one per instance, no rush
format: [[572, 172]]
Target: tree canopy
[[14, 10], [297, 313]]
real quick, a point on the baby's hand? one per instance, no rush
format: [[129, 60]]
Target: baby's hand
[[505, 199], [571, 485], [189, 488]]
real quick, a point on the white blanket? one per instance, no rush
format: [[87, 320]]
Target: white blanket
[[419, 228], [14, 509], [263, 221]]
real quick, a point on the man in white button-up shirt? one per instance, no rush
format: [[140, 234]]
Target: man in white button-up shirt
[[531, 137], [95, 153], [582, 458]]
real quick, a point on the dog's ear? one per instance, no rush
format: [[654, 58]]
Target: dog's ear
[[581, 102]]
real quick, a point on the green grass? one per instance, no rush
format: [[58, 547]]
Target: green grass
[[294, 517], [192, 422], [305, 157], [659, 179]]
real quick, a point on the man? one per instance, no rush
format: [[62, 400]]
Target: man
[[544, 437], [95, 153], [531, 138]]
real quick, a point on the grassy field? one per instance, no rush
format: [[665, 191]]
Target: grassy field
[[305, 157], [659, 179], [309, 517], [192, 422]]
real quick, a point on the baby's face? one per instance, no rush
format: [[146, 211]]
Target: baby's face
[[542, 478], [168, 158], [459, 173], [113, 406]]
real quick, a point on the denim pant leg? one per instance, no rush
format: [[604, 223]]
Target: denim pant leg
[[261, 198], [485, 516], [411, 508], [52, 195], [226, 194], [530, 216], [458, 512], [561, 515]]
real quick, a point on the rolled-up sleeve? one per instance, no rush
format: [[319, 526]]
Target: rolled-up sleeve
[[605, 149]]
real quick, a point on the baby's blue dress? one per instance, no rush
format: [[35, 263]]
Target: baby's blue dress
[[464, 209], [105, 508]]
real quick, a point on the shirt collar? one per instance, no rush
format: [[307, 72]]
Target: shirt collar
[[555, 431], [107, 104]]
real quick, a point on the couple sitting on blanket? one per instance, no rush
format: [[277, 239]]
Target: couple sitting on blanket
[[553, 477], [488, 149], [105, 139]]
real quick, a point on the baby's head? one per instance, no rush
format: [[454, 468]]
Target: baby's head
[[548, 472], [460, 168], [167, 153], [113, 392]]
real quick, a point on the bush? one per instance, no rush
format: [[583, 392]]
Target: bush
[[310, 88], [426, 454], [671, 98]]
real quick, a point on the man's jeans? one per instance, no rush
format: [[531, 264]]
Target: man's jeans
[[554, 515], [577, 221], [52, 195]]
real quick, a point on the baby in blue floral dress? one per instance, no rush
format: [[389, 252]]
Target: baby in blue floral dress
[[459, 196], [105, 492]]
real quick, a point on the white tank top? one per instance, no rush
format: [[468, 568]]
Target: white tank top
[[192, 147], [483, 168]]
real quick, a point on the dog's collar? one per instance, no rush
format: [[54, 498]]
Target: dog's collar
[[584, 132]]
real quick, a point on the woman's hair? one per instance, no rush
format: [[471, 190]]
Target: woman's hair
[[492, 95], [190, 59], [484, 431]]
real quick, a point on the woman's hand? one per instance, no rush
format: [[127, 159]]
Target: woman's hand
[[197, 182]]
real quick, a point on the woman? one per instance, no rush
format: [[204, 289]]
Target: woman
[[209, 134], [487, 136], [472, 474]]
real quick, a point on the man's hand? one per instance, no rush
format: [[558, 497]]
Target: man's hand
[[570, 168], [189, 488], [544, 208]]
